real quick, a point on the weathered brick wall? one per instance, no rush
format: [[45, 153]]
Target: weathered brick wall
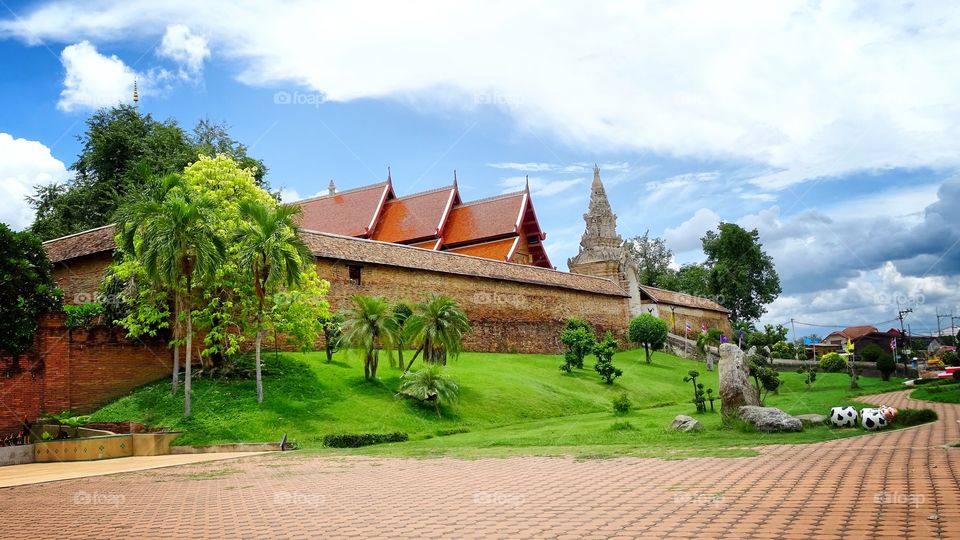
[[696, 317], [80, 278], [507, 316], [82, 370]]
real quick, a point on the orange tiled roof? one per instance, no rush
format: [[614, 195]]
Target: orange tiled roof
[[352, 213], [433, 244], [345, 248], [857, 332], [663, 296], [415, 217], [485, 219], [500, 250], [79, 244]]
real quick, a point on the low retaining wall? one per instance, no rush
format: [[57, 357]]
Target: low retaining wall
[[17, 455], [105, 447], [235, 447]]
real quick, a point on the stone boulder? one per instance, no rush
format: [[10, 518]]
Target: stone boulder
[[769, 419], [685, 423], [811, 419], [735, 388]]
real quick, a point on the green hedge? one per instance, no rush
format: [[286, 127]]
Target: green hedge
[[914, 417], [356, 440]]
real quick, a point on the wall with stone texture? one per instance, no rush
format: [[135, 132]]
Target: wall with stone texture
[[507, 316], [696, 317], [80, 278]]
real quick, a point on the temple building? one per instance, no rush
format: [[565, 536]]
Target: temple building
[[603, 254], [503, 228]]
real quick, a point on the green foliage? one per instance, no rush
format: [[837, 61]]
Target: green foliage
[[648, 331], [833, 363], [809, 372], [914, 417], [951, 358], [430, 385], [578, 341], [765, 378], [741, 274], [437, 326], [26, 290], [121, 150], [604, 352], [769, 338], [368, 326], [622, 404], [884, 359], [690, 279], [785, 349], [699, 394], [401, 314], [710, 338], [298, 312], [332, 326], [82, 315], [356, 440], [651, 258]]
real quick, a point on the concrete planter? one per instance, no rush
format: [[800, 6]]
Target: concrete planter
[[16, 455], [153, 444], [84, 449]]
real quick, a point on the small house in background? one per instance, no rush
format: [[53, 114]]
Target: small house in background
[[678, 309], [861, 336]]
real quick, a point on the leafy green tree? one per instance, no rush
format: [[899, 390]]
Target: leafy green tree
[[884, 359], [690, 279], [648, 331], [741, 274], [578, 341], [430, 385], [332, 334], [273, 253], [767, 338], [212, 138], [832, 363], [604, 352], [765, 378], [27, 290], [438, 325], [652, 258], [175, 242], [120, 151], [369, 326], [401, 313]]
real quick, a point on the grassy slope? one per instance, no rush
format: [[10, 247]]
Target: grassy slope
[[946, 391], [509, 404]]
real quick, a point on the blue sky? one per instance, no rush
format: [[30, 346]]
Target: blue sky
[[829, 127]]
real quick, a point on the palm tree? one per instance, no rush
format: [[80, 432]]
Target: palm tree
[[401, 313], [367, 326], [270, 248], [129, 220], [431, 384], [177, 245], [438, 326]]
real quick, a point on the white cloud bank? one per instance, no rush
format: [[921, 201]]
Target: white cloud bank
[[24, 164], [802, 89], [93, 80]]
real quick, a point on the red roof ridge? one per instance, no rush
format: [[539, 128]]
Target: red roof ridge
[[493, 198], [344, 192], [526, 267], [86, 231]]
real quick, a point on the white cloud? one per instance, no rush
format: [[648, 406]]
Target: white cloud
[[795, 88], [687, 235], [93, 80], [542, 187], [524, 167], [184, 47], [23, 165]]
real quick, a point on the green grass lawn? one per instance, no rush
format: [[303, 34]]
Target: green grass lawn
[[509, 404], [947, 391]]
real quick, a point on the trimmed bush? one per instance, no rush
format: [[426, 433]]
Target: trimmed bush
[[578, 341], [621, 404], [356, 440], [887, 365], [833, 363], [648, 331], [914, 417]]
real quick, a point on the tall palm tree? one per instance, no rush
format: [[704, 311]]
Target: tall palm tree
[[438, 325], [177, 246], [129, 219], [274, 254], [369, 326]]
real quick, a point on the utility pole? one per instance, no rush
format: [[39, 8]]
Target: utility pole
[[900, 314], [943, 316]]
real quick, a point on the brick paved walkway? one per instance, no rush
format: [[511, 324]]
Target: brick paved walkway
[[898, 484]]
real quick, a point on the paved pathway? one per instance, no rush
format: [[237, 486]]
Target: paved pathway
[[895, 484]]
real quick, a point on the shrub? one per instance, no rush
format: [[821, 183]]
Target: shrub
[[649, 332], [604, 352], [914, 417], [622, 426], [699, 395], [578, 340], [356, 440], [765, 378], [82, 315], [833, 363], [887, 365], [430, 385], [871, 353], [951, 358], [621, 404], [784, 349], [956, 376]]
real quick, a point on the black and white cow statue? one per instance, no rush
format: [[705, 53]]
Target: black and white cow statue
[[843, 416], [873, 419]]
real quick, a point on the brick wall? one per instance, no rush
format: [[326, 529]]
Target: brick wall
[[80, 278], [83, 370], [507, 316]]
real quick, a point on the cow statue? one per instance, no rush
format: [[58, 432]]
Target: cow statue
[[873, 419], [843, 416], [889, 412]]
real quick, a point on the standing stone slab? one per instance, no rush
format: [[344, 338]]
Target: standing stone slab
[[735, 388]]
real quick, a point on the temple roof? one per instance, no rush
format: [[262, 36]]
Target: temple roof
[[416, 217], [82, 243], [500, 250], [485, 219], [345, 248], [352, 213]]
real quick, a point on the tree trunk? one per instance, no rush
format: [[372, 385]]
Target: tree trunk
[[366, 366], [400, 354], [373, 364], [189, 362], [414, 359], [259, 372], [176, 369], [646, 349]]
